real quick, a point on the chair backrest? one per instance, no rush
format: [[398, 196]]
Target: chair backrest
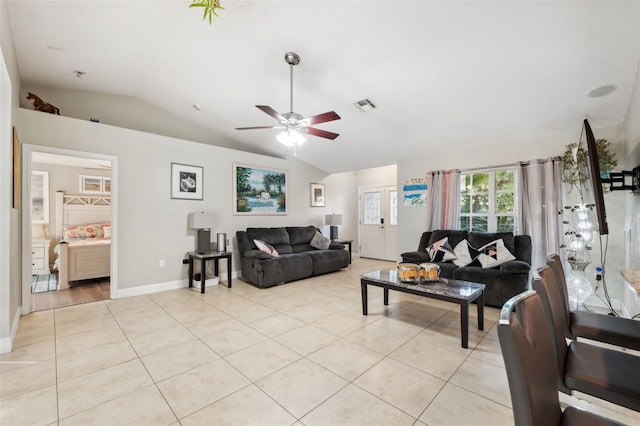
[[528, 355], [550, 295], [554, 262]]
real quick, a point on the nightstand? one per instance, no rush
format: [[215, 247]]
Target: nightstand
[[40, 257]]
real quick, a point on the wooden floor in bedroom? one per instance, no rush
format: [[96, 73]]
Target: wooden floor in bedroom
[[88, 291]]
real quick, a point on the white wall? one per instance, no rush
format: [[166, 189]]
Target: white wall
[[632, 203], [152, 226], [10, 223], [122, 111]]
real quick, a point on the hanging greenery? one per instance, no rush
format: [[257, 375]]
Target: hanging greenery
[[574, 169], [209, 7]]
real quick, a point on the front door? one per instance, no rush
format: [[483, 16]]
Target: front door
[[378, 222]]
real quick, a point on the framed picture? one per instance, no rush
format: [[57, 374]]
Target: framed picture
[[39, 197], [317, 195], [186, 182], [90, 184], [259, 191]]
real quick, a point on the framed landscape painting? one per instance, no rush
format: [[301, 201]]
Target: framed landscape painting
[[259, 190], [186, 182]]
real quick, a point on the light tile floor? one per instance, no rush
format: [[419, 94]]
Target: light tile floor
[[300, 353]]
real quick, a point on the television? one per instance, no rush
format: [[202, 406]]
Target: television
[[595, 179]]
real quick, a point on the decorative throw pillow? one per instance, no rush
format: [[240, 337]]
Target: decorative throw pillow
[[320, 242], [441, 251], [266, 247], [107, 231], [494, 254], [92, 230], [466, 254]]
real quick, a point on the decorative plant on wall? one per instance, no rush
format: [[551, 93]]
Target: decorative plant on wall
[[574, 163], [209, 7]]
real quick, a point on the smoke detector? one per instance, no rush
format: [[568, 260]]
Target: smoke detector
[[365, 105]]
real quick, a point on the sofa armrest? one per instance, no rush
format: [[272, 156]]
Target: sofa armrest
[[336, 246], [415, 257], [515, 267], [256, 254]]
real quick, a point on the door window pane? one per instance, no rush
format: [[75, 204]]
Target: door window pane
[[371, 203], [393, 207]]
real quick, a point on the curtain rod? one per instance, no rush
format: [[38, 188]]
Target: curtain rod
[[504, 166]]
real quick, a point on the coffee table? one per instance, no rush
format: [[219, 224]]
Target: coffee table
[[456, 291]]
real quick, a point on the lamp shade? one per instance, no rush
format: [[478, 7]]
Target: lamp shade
[[202, 220], [333, 219]]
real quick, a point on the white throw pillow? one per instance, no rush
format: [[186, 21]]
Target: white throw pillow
[[466, 254], [320, 242], [266, 247], [494, 254]]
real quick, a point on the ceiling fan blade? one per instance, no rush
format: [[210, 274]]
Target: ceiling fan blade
[[256, 127], [321, 118], [272, 112], [322, 133]]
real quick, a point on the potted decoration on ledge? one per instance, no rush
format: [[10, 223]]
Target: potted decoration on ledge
[[579, 220]]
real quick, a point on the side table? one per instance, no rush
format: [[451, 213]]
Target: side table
[[348, 243], [203, 257]]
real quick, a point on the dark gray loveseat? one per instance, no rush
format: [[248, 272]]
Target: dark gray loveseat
[[297, 259], [502, 282]]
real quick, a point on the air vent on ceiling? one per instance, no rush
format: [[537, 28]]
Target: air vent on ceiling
[[365, 105]]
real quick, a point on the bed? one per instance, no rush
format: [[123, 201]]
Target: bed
[[83, 233]]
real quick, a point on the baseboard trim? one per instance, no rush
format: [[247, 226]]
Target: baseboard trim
[[6, 343], [169, 285]]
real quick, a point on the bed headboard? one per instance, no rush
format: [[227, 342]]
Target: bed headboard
[[80, 210]]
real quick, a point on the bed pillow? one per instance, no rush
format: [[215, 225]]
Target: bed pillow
[[107, 231], [494, 254], [266, 247], [320, 242], [441, 251], [466, 254], [92, 230]]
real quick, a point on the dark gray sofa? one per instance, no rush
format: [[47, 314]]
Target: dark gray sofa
[[297, 259], [502, 282]]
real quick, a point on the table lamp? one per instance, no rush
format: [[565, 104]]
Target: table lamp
[[333, 220], [203, 222]]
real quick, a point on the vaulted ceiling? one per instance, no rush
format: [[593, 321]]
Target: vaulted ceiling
[[444, 75]]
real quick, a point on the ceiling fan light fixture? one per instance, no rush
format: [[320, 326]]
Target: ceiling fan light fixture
[[290, 138]]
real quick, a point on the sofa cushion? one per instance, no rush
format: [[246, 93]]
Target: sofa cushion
[[441, 251], [447, 269], [320, 242], [515, 267], [285, 268], [277, 237], [480, 239], [466, 254], [454, 236], [325, 261], [301, 234], [494, 254], [265, 247]]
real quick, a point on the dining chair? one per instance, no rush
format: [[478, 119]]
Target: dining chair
[[610, 329], [528, 355], [605, 373]]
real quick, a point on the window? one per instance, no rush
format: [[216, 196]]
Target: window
[[488, 201]]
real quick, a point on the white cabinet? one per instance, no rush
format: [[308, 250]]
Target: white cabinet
[[40, 257]]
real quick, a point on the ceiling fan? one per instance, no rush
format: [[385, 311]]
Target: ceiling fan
[[294, 124]]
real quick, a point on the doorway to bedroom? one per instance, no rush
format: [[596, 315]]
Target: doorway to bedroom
[[70, 229]]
